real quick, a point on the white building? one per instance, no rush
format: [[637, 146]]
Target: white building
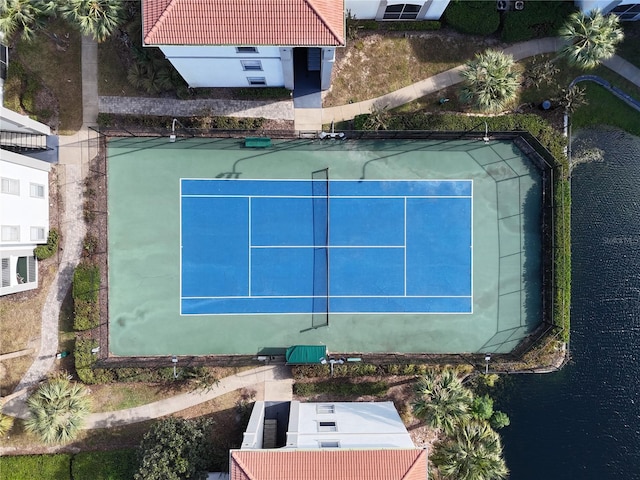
[[327, 440], [627, 10], [24, 200], [283, 43]]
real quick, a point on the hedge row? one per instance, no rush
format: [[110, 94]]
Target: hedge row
[[477, 17], [200, 122], [97, 465], [45, 251], [341, 388], [373, 25], [86, 285], [85, 361], [537, 19]]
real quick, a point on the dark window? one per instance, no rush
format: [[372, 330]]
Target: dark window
[[4, 61], [255, 65], [246, 49], [401, 11], [256, 81]]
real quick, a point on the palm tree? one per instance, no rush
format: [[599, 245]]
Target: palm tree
[[592, 38], [57, 410], [25, 16], [442, 401], [6, 423], [95, 18], [491, 82], [474, 453]]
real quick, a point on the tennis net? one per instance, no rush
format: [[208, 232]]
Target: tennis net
[[321, 235]]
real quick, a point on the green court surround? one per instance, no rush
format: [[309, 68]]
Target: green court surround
[[144, 246]]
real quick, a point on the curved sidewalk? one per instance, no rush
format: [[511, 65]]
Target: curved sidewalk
[[278, 386]]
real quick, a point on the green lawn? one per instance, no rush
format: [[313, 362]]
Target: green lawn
[[605, 109], [98, 465], [51, 467]]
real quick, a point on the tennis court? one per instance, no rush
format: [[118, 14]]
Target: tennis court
[[424, 246], [307, 246]]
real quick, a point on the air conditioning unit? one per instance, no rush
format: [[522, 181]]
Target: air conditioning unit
[[502, 5], [519, 5]]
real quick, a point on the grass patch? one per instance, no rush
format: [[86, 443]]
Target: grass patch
[[52, 66], [375, 64], [21, 467], [341, 388], [20, 320], [111, 465], [605, 109], [108, 398]]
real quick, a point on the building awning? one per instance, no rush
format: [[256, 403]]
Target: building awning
[[298, 354]]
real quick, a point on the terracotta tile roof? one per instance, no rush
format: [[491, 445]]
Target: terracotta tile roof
[[243, 22], [328, 464]]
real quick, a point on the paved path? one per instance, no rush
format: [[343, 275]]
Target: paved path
[[171, 107], [312, 119], [73, 156]]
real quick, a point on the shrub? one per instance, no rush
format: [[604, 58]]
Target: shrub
[[341, 388], [478, 17], [45, 251], [538, 19], [86, 315], [86, 282], [499, 420], [6, 423], [89, 245], [84, 361]]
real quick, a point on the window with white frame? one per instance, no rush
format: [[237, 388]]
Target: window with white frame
[[10, 233], [630, 11], [401, 11], [37, 234], [327, 427], [10, 186], [37, 191], [329, 444], [323, 408], [256, 81], [246, 49], [251, 65]]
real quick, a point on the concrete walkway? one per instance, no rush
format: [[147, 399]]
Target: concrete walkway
[[74, 155]]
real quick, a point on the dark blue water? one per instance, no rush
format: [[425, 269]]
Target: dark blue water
[[584, 421]]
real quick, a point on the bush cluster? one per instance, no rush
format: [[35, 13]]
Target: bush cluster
[[86, 284], [45, 251], [538, 19], [477, 18], [373, 25], [341, 388], [205, 122]]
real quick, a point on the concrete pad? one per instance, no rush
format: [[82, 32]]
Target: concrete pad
[[308, 119]]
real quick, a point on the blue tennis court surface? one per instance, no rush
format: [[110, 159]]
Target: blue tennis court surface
[[308, 246]]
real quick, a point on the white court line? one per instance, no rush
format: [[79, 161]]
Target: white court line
[[405, 246], [180, 245], [327, 246], [325, 296], [382, 197], [471, 180], [352, 180], [280, 314], [249, 245]]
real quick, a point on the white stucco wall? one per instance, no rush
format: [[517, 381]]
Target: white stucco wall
[[358, 425], [24, 210], [207, 66], [372, 9], [606, 6]]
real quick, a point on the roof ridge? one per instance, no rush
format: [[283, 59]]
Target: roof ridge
[[242, 466], [158, 22], [414, 466], [313, 7]]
